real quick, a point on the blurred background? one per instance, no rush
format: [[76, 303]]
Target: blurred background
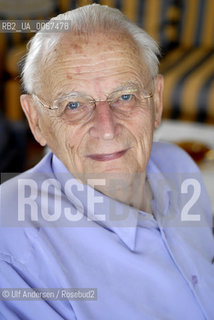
[[184, 30]]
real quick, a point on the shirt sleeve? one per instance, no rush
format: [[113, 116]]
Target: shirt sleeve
[[11, 280]]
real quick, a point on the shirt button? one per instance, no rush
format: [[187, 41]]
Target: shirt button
[[194, 279]]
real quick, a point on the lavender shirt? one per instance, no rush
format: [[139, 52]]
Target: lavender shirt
[[124, 263]]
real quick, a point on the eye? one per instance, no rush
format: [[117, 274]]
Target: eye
[[126, 97], [73, 105]]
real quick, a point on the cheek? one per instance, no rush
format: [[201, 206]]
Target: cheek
[[141, 126], [53, 131], [61, 137], [74, 141], [142, 130]]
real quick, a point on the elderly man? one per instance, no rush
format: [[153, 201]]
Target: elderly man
[[109, 225]]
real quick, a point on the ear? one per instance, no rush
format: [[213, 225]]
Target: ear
[[33, 117], [158, 99]]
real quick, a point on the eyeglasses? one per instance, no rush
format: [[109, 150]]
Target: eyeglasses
[[77, 106]]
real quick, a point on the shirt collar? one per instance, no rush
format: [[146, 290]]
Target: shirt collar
[[160, 188]]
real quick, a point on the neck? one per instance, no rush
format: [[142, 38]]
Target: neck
[[133, 191]]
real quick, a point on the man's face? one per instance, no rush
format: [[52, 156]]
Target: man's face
[[105, 142]]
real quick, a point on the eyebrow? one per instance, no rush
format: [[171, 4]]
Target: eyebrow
[[130, 85], [127, 85]]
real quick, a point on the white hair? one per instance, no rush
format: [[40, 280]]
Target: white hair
[[85, 20]]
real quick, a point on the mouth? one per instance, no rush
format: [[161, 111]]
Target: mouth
[[107, 156]]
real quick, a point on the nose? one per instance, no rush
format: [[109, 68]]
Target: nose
[[104, 125]]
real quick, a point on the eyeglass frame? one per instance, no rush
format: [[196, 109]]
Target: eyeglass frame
[[92, 100]]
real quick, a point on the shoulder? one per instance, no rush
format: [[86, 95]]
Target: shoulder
[[41, 170], [169, 157], [24, 184], [174, 167], [14, 234]]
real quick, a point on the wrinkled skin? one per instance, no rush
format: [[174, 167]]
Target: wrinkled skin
[[97, 66]]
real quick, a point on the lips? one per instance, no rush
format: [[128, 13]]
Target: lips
[[107, 156]]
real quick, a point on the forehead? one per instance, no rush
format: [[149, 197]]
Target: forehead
[[77, 60], [71, 44]]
